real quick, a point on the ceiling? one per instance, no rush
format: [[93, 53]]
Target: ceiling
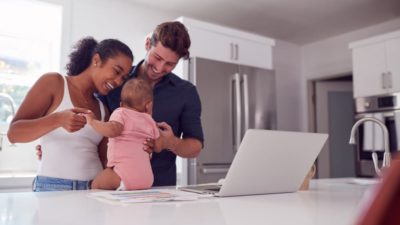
[[296, 21]]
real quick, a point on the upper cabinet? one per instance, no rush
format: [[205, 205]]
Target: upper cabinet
[[376, 65], [225, 44]]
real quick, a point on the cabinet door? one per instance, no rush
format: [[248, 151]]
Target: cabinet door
[[369, 66], [252, 53], [393, 63], [227, 48], [210, 45]]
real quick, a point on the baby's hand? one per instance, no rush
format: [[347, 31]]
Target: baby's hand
[[89, 115]]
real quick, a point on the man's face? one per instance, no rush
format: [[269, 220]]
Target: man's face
[[159, 61]]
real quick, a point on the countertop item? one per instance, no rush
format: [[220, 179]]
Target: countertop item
[[328, 201]]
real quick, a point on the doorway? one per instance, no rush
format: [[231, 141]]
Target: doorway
[[331, 107]]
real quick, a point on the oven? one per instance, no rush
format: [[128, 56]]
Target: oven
[[385, 108]]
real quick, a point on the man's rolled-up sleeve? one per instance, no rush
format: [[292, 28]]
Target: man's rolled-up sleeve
[[191, 116]]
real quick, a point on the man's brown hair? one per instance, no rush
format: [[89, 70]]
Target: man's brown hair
[[174, 36]]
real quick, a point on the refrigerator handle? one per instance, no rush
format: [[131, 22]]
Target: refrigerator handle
[[246, 106], [236, 111]]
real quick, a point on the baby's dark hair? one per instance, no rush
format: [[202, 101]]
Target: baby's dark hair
[[136, 93], [86, 48]]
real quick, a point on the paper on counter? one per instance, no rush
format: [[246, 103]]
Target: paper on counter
[[152, 195]]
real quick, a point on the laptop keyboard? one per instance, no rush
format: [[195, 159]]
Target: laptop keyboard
[[204, 189]]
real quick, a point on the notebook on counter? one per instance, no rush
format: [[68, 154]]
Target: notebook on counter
[[267, 161]]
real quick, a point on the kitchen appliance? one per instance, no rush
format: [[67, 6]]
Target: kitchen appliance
[[234, 98], [385, 108]]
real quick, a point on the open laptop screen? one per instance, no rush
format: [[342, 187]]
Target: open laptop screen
[[270, 161]]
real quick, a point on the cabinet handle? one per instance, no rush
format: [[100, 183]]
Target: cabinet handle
[[236, 51], [232, 51], [389, 80], [383, 79]]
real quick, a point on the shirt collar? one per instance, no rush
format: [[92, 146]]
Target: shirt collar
[[169, 78]]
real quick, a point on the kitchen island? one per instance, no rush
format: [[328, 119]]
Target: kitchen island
[[329, 201]]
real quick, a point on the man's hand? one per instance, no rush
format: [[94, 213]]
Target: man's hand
[[167, 140]]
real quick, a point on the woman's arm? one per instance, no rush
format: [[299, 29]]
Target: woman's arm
[[33, 118]]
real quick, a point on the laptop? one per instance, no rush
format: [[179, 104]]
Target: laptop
[[267, 161]]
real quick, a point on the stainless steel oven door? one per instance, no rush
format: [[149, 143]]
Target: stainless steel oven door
[[370, 139]]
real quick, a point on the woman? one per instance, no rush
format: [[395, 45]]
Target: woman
[[53, 111]]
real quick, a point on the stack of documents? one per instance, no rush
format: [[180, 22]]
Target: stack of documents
[[152, 195]]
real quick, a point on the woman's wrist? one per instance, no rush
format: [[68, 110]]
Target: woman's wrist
[[56, 118]]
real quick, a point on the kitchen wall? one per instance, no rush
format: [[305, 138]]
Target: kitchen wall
[[287, 65], [332, 56], [102, 19]]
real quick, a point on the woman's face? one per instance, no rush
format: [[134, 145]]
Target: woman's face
[[111, 73]]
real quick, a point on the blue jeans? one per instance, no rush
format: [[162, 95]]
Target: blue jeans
[[42, 183]]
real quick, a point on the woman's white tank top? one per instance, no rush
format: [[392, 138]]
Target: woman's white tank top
[[71, 155]]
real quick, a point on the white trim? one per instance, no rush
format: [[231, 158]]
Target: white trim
[[226, 30], [375, 39]]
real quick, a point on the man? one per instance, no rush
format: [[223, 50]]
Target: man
[[176, 105]]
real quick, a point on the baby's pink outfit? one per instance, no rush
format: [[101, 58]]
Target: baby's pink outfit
[[125, 152]]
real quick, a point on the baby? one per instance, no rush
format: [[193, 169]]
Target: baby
[[128, 166]]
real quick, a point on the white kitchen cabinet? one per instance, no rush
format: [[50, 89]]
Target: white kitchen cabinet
[[393, 62], [376, 65], [225, 44]]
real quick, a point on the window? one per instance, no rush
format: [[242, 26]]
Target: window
[[30, 43]]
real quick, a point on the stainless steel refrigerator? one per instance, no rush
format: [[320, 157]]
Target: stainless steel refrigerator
[[234, 98]]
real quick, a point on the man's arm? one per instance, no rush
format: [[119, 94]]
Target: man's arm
[[186, 147], [190, 124]]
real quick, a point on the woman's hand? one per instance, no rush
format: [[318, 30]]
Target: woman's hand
[[73, 119]]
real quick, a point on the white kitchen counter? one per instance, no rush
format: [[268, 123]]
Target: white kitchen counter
[[329, 201]]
